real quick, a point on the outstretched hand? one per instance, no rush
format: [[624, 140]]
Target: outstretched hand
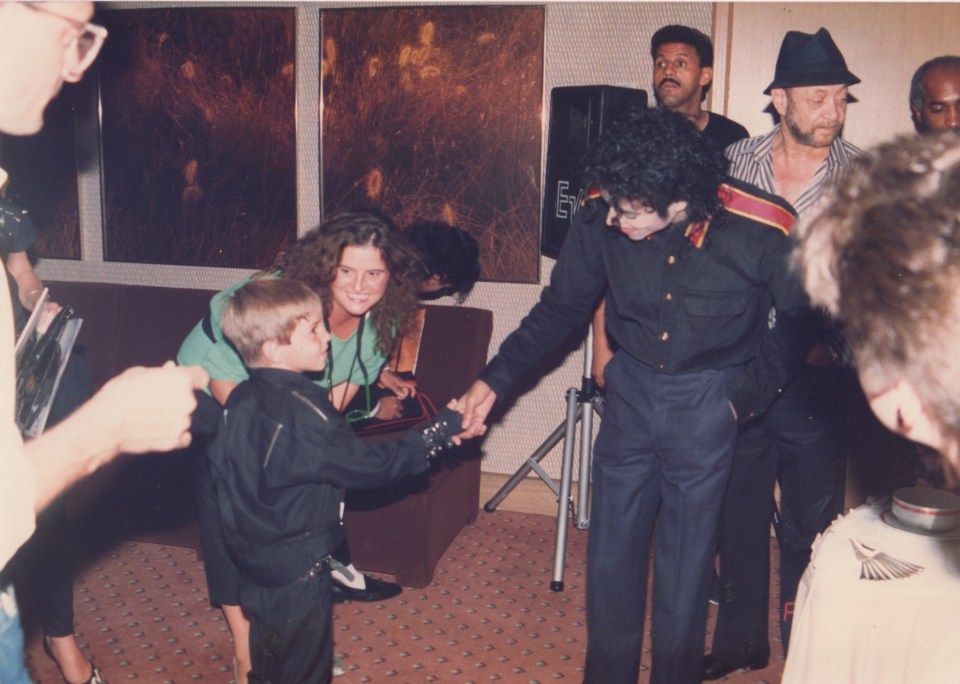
[[475, 405], [148, 409], [140, 410]]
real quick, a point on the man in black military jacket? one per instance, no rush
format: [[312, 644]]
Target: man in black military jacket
[[692, 264]]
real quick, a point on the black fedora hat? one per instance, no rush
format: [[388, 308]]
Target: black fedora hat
[[810, 59]]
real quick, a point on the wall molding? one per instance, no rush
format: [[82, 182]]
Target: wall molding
[[532, 495]]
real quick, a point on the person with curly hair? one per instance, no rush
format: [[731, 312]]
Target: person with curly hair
[[692, 263], [362, 272], [450, 255], [882, 255], [366, 274], [682, 76]]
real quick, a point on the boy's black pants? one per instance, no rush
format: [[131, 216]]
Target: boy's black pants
[[290, 631]]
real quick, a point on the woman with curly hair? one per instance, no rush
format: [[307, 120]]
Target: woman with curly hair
[[362, 272], [367, 274]]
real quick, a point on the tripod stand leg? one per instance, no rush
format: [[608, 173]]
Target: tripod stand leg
[[586, 456], [564, 502], [541, 451]]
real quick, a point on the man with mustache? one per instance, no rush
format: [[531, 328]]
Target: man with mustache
[[797, 441], [682, 75]]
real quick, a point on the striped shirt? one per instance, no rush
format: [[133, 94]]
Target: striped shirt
[[751, 160]]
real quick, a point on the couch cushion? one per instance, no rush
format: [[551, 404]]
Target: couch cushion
[[129, 325]]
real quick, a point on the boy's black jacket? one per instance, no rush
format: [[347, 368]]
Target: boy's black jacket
[[278, 461]]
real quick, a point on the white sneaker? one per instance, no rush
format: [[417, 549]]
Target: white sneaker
[[338, 667]]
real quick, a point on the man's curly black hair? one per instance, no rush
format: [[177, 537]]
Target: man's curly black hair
[[657, 157]]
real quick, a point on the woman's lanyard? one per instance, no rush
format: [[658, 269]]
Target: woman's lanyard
[[356, 415]]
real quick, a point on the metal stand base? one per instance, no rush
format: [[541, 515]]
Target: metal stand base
[[580, 408]]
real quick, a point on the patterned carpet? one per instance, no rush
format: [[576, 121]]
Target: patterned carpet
[[488, 616]]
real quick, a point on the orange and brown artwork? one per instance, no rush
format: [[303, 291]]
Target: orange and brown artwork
[[435, 113]]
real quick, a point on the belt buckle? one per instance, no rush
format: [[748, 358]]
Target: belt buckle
[[321, 566]]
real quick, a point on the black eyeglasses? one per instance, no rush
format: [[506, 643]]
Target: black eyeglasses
[[86, 42]]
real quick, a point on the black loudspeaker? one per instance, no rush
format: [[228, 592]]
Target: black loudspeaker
[[579, 115]]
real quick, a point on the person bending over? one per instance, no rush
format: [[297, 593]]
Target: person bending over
[[692, 263]]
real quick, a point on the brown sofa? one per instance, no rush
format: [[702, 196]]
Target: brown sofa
[[401, 530]]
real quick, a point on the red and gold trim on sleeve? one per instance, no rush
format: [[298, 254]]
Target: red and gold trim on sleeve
[[748, 205], [756, 208]]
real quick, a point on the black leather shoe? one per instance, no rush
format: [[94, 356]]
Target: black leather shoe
[[376, 590], [717, 669]]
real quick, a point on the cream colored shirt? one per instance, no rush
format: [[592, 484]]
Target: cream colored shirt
[[18, 480]]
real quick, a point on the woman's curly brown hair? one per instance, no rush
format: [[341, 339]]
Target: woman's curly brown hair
[[313, 259]]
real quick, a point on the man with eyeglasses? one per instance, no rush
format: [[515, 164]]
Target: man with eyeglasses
[[691, 264], [43, 45]]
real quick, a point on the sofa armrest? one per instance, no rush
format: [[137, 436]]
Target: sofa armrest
[[453, 350]]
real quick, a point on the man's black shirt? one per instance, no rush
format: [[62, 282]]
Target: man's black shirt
[[675, 306]]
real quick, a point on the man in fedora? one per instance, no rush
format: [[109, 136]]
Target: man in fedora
[[797, 441]]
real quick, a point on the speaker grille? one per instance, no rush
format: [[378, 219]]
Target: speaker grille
[[579, 116]]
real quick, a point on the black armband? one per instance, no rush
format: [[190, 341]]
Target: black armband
[[437, 435]]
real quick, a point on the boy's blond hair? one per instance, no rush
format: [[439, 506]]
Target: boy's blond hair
[[265, 309]]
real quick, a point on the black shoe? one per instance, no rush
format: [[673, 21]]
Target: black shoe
[[717, 669], [376, 590]]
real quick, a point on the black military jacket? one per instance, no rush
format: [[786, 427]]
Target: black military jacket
[[689, 298]]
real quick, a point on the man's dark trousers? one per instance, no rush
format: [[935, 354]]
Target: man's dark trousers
[[798, 442], [664, 447]]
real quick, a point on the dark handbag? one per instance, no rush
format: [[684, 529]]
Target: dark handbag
[[416, 410]]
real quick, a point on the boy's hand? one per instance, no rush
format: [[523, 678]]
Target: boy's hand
[[454, 405]]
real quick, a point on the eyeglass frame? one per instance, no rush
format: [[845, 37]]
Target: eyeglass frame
[[83, 28]]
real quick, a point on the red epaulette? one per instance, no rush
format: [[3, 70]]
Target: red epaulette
[[592, 193], [757, 208]]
